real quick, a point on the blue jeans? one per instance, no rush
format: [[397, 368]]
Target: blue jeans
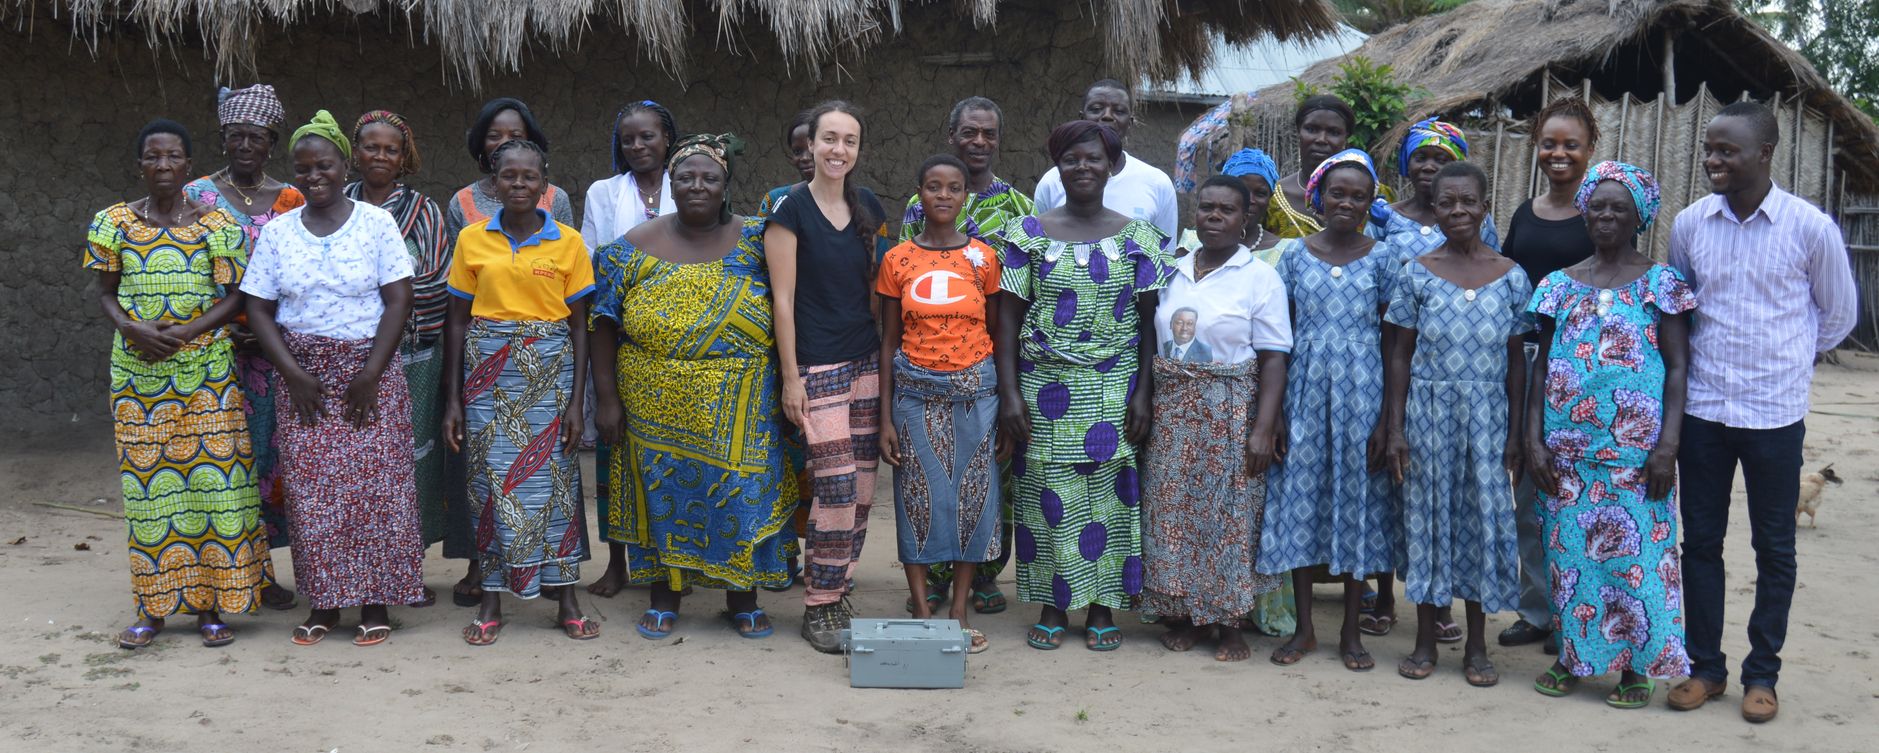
[[1771, 468]]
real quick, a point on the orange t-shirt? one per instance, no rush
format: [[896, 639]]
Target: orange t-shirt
[[942, 296]]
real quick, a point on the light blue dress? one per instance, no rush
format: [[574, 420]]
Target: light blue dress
[[1325, 507], [1458, 501], [1408, 239]]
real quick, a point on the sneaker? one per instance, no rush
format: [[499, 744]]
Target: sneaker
[[822, 627]]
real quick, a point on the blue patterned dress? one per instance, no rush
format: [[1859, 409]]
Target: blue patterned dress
[[1075, 490], [1458, 501], [1326, 507], [1617, 579], [1408, 239]]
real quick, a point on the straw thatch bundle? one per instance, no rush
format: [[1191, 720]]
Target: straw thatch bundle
[[1145, 38], [1492, 55]]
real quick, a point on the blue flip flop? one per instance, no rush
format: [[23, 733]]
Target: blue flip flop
[[750, 619], [1097, 634], [662, 618], [1044, 645]]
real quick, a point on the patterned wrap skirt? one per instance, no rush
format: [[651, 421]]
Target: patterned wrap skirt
[[946, 493], [524, 488], [257, 393], [424, 372], [352, 504], [1201, 511], [185, 465]]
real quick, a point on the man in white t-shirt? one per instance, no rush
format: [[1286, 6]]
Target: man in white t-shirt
[[1136, 189]]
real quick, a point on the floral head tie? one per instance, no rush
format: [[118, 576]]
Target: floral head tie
[[1431, 132], [1315, 187], [1639, 181]]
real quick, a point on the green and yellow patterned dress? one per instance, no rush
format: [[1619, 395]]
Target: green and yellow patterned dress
[[184, 457]]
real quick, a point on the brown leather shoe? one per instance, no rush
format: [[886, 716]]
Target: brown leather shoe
[[1759, 704], [1691, 694]]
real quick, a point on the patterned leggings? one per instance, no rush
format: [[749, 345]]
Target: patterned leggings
[[844, 419]]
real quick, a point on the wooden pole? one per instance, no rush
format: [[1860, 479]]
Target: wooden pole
[[1670, 65]]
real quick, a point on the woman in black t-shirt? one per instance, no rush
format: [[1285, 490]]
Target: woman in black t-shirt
[[1547, 234], [820, 246]]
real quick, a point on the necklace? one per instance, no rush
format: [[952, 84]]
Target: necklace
[[1258, 239], [246, 200]]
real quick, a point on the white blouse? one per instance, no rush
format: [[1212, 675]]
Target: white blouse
[[613, 206], [1237, 309], [328, 286]]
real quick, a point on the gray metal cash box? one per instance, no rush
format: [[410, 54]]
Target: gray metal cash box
[[905, 653]]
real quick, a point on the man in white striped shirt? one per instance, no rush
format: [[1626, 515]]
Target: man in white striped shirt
[[1773, 288]]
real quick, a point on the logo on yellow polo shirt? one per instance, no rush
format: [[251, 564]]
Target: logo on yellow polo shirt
[[546, 268]]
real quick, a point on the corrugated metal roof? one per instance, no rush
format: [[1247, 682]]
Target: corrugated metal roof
[[1251, 68]]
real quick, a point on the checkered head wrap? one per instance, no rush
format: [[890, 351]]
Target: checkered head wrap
[[255, 105]]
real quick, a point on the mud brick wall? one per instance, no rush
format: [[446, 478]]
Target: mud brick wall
[[68, 117]]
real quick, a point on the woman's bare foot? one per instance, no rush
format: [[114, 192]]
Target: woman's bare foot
[[1183, 634], [614, 579], [1232, 644]]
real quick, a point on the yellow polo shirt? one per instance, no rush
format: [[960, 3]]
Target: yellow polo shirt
[[528, 279]]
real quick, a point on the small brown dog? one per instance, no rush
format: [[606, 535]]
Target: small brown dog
[[1812, 484]]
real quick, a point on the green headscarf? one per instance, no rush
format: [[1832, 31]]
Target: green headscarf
[[324, 126]]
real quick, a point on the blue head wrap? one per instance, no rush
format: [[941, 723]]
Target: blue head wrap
[[1252, 162]]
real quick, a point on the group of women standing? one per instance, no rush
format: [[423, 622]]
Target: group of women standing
[[1315, 383]]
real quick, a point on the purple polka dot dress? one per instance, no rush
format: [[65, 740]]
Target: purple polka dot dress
[[1075, 490]]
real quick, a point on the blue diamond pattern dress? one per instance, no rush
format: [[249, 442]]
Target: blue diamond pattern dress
[[1325, 507], [1408, 239], [1458, 502]]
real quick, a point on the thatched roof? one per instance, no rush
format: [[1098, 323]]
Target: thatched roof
[[1156, 39], [1491, 53]]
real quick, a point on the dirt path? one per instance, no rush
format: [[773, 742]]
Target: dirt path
[[66, 687]]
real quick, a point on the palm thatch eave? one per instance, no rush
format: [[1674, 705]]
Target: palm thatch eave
[[1143, 39]]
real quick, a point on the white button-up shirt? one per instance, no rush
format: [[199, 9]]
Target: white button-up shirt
[[1772, 289], [1239, 308]]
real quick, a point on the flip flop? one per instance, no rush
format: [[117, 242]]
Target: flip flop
[[1093, 638], [1563, 683], [1051, 633], [1616, 699], [976, 642], [670, 619], [1376, 624], [1448, 632], [365, 635], [307, 635], [982, 601], [1288, 655], [749, 620], [1359, 661], [1484, 670], [933, 601], [125, 639], [577, 629], [1416, 670], [463, 598], [208, 630], [486, 632]]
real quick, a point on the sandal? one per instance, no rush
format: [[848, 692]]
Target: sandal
[[1051, 640], [1617, 698], [581, 628], [746, 624], [307, 635], [209, 631], [669, 619], [1480, 672], [988, 602], [278, 598], [1416, 669], [480, 633], [1359, 661], [1288, 655], [1093, 638], [463, 598], [1448, 632], [366, 635], [128, 638], [1376, 624], [976, 642], [933, 601], [1556, 682]]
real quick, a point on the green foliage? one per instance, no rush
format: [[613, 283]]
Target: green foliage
[[1840, 37], [1375, 96]]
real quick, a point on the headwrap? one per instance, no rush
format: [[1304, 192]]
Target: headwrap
[[1349, 156], [409, 162], [1431, 132], [1639, 181], [1252, 162], [720, 148], [255, 105], [324, 126]]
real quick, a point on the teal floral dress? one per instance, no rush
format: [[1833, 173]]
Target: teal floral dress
[[1075, 490], [1612, 553]]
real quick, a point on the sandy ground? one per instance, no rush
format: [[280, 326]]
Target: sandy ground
[[67, 687]]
